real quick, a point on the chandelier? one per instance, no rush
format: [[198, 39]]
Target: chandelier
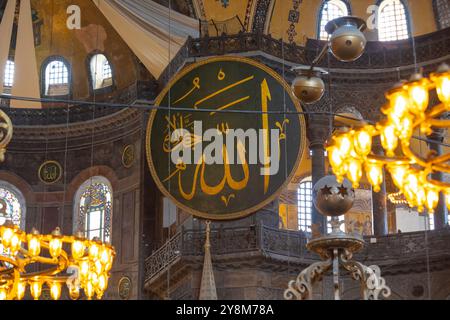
[[350, 152], [86, 268]]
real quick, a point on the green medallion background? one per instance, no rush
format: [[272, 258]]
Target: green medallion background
[[244, 78]]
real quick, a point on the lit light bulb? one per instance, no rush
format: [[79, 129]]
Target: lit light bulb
[[55, 244], [34, 244], [412, 182], [399, 101], [420, 199], [36, 289], [432, 199], [15, 244], [102, 282], [406, 128], [84, 269], [335, 157], [345, 145], [442, 80], [104, 258], [98, 267], [7, 235], [363, 142], [55, 247], [374, 173], [3, 294], [89, 290], [354, 172], [443, 89], [398, 173], [93, 251], [55, 290], [389, 140], [21, 287], [78, 249], [418, 93]]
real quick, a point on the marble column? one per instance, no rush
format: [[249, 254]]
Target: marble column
[[379, 205], [318, 132], [440, 213]]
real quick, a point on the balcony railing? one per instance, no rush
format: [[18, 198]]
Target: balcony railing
[[285, 245]]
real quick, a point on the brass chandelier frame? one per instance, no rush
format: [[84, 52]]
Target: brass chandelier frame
[[350, 152]]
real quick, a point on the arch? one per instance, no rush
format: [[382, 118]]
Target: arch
[[101, 72], [393, 20], [92, 210], [329, 10], [56, 77], [85, 174], [441, 10]]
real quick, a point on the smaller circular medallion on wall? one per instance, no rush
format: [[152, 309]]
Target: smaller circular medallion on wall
[[128, 156], [50, 172], [124, 288]]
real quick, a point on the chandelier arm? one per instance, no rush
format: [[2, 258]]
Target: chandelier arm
[[436, 111], [438, 123], [440, 159], [387, 160], [410, 154]]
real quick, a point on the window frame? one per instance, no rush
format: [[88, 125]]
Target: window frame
[[80, 221], [320, 13], [5, 86], [44, 66], [299, 206], [407, 16], [21, 199], [103, 90]]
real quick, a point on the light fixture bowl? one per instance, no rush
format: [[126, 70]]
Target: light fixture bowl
[[347, 42], [308, 87]]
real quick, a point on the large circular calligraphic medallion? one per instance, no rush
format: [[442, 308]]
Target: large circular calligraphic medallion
[[228, 137]]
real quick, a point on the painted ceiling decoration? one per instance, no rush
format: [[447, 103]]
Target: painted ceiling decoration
[[147, 24]]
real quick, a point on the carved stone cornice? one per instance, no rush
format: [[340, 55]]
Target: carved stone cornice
[[112, 122]]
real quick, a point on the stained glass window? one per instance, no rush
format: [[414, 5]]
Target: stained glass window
[[442, 13], [95, 210], [304, 198], [12, 207], [101, 72], [392, 22], [331, 10], [56, 78]]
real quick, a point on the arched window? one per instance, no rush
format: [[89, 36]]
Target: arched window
[[331, 9], [57, 78], [442, 13], [392, 21], [9, 74], [93, 209], [304, 205], [12, 207], [101, 73]]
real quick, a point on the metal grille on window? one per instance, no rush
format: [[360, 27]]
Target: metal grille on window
[[9, 74], [304, 198], [107, 73], [58, 73], [332, 9], [95, 212], [392, 22]]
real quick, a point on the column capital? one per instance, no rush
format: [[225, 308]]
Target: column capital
[[318, 130]]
